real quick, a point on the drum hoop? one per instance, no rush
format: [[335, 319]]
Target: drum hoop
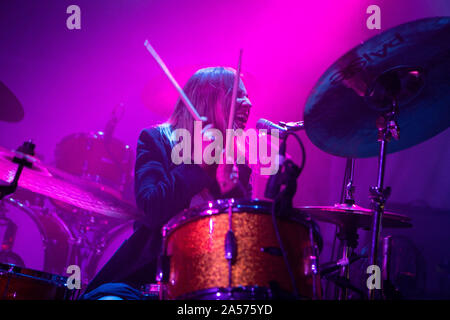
[[13, 270], [36, 217], [32, 215], [254, 291], [220, 206]]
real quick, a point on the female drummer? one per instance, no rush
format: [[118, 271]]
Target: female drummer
[[164, 189]]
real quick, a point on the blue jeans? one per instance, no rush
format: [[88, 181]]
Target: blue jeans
[[120, 290]]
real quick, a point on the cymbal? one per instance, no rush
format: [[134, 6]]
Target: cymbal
[[61, 186], [410, 62], [11, 109], [343, 214]]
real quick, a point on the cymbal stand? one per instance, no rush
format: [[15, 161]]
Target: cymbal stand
[[387, 128], [347, 235], [27, 149], [349, 189]]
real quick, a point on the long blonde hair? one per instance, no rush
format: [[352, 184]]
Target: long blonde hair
[[210, 91]]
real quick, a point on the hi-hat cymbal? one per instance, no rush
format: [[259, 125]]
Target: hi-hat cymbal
[[410, 62], [11, 109], [61, 186], [353, 215]]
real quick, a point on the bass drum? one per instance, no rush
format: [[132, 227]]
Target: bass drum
[[33, 238]]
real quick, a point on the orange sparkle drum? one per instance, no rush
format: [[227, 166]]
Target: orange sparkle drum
[[202, 259]]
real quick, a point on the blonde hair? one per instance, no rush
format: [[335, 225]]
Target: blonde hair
[[210, 91]]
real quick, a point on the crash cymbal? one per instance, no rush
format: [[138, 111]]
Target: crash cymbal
[[410, 62], [11, 109], [61, 186], [345, 215]]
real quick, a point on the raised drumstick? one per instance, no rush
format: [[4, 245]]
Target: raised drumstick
[[183, 96], [233, 103]]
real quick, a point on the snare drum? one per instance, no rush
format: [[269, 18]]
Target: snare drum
[[194, 246], [18, 283]]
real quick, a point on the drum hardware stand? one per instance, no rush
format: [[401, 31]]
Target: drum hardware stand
[[27, 149], [331, 267], [348, 234], [344, 284], [349, 187], [314, 261], [163, 266], [400, 82], [230, 243], [390, 292], [85, 248], [387, 128]]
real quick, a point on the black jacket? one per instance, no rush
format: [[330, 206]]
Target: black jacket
[[162, 190]]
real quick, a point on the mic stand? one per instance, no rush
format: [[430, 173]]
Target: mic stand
[[27, 149], [287, 175]]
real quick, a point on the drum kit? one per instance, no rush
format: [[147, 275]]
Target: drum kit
[[77, 212]]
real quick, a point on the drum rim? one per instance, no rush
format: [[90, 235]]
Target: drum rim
[[31, 213], [220, 206], [253, 291], [18, 271]]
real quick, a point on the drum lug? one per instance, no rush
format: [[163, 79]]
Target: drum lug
[[163, 271], [45, 243], [311, 261]]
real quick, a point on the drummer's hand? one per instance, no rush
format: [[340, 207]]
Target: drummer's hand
[[227, 177]]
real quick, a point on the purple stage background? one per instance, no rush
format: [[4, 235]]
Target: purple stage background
[[69, 81]]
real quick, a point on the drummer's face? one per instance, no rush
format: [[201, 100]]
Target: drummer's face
[[243, 106]]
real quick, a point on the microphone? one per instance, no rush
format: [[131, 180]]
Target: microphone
[[282, 127]]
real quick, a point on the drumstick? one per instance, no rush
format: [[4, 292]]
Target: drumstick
[[234, 94], [183, 96], [233, 99]]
